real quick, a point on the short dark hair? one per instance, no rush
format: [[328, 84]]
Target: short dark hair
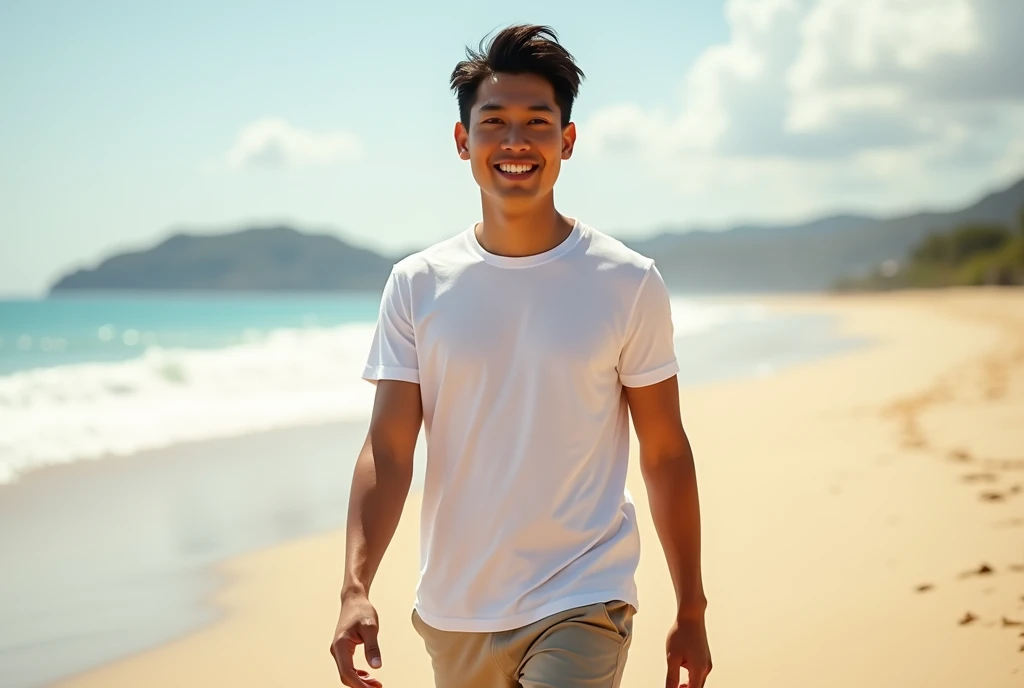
[[519, 49]]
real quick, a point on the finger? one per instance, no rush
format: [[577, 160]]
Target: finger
[[344, 650], [339, 658], [367, 679], [352, 678], [672, 677], [372, 649], [697, 676]]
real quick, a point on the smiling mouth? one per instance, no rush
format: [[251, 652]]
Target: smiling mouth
[[516, 171]]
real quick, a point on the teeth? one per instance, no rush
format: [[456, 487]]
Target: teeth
[[515, 169]]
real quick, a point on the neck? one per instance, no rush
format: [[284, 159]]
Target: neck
[[523, 231]]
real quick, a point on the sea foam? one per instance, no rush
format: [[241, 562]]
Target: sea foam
[[165, 396]]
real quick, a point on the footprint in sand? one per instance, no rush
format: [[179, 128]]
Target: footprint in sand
[[960, 455], [967, 618], [993, 496], [983, 570]]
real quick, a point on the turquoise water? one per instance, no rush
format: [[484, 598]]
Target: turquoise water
[[40, 333], [93, 376]]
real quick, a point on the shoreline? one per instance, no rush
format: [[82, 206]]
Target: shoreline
[[245, 573], [711, 331], [180, 503], [182, 594], [127, 546]]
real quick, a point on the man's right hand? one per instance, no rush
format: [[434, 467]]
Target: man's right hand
[[357, 625]]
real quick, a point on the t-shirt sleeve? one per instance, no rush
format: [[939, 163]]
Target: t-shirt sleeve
[[648, 352], [393, 350]]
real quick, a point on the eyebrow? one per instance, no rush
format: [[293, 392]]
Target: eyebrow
[[495, 107]]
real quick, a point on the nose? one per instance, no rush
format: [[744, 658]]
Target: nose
[[515, 140]]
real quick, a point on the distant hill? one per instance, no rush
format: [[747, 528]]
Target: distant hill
[[265, 259], [809, 256], [970, 255]]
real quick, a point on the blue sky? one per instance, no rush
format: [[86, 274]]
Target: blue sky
[[125, 121]]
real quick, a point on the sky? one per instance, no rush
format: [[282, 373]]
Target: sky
[[124, 122]]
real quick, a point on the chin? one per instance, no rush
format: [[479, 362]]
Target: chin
[[517, 194]]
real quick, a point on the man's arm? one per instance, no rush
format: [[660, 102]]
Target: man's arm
[[666, 463], [380, 482], [380, 485]]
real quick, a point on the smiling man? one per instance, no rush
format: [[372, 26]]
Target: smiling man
[[523, 345]]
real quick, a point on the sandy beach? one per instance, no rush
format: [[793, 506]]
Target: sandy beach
[[863, 525]]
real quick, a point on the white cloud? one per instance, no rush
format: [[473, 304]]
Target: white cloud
[[940, 50], [838, 91], [273, 142], [873, 55]]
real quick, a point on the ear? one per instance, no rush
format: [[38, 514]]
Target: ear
[[461, 141], [568, 140]]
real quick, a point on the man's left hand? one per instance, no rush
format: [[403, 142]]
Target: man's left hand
[[687, 646]]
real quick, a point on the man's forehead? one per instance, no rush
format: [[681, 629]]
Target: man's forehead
[[515, 90]]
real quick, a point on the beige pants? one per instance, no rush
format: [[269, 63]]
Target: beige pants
[[584, 647]]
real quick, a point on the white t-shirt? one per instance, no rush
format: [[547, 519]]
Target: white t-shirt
[[521, 364]]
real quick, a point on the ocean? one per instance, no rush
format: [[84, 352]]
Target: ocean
[[194, 427], [83, 377]]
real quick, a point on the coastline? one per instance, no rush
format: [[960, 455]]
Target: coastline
[[141, 531], [858, 433]]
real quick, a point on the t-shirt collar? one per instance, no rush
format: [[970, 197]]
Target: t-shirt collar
[[526, 261]]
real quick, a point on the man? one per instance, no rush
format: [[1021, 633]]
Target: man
[[523, 345]]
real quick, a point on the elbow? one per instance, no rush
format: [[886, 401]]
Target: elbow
[[392, 465], [667, 466]]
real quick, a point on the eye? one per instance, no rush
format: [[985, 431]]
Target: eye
[[491, 120], [538, 121]]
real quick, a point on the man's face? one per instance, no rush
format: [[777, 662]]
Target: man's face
[[515, 142]]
